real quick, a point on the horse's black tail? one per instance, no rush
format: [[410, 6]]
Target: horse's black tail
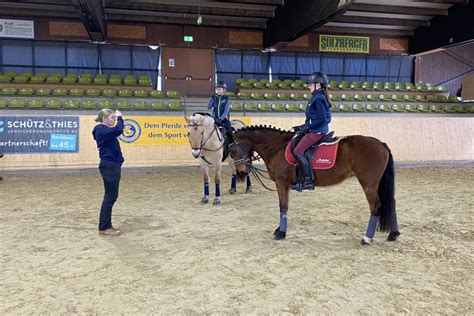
[[387, 194]]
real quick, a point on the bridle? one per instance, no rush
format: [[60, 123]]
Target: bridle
[[204, 141]]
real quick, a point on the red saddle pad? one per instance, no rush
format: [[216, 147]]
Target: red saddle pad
[[324, 159]]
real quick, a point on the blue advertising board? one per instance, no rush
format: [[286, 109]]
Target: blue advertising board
[[39, 134]]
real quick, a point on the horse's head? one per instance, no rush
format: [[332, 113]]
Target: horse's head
[[241, 151], [198, 126]]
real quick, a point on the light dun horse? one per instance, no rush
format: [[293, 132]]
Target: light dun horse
[[208, 144]]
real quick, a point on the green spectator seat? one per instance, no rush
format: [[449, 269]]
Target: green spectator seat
[[291, 107], [252, 80], [72, 104], [115, 81], [156, 93], [367, 85], [344, 107], [297, 85], [27, 74], [263, 106], [410, 86], [43, 91], [144, 81], [10, 74], [175, 105], [60, 92], [256, 96], [458, 108], [141, 105], [431, 98], [419, 86], [409, 98], [57, 75], [448, 108], [5, 79], [21, 79], [283, 96], [454, 99], [307, 96], [103, 76], [398, 107], [246, 85], [269, 96], [125, 93], [36, 103], [344, 84], [264, 81], [421, 98], [242, 95], [93, 92], [332, 84], [100, 80], [78, 92], [3, 103], [390, 86], [172, 94], [230, 94], [53, 79], [378, 86], [441, 98], [236, 106], [436, 108], [441, 89], [346, 96], [397, 97], [130, 77], [250, 106], [423, 107], [430, 87], [277, 81], [158, 105], [284, 85], [37, 79], [106, 104], [26, 91], [356, 107], [410, 107], [240, 80], [383, 97], [8, 91], [356, 85], [277, 107], [130, 81], [359, 97], [400, 86], [124, 105], [334, 97], [384, 107], [89, 104], [109, 93], [17, 104], [272, 85], [469, 108], [140, 93], [296, 96], [259, 85], [288, 81], [371, 107], [302, 106], [85, 79]]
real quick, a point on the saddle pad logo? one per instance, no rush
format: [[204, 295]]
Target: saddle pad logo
[[131, 132]]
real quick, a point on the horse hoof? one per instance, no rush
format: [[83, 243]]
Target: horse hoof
[[393, 236], [232, 191], [249, 189], [204, 200], [279, 235], [216, 202]]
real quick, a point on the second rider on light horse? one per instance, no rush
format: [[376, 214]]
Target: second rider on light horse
[[220, 105]]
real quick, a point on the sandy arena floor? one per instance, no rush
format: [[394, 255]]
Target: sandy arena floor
[[178, 257]]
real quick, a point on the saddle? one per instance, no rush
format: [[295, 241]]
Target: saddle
[[322, 154]]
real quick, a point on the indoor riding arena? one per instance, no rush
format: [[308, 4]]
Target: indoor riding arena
[[401, 72]]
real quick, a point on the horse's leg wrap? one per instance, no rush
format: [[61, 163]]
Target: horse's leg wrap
[[218, 189], [394, 222], [369, 235], [233, 183], [249, 183], [206, 188], [283, 221]]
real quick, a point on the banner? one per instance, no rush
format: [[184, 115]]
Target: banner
[[343, 44], [39, 134], [159, 130], [17, 28]]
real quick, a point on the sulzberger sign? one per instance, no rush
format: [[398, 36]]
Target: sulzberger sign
[[343, 44]]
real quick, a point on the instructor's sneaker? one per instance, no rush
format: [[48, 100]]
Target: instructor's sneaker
[[110, 232]]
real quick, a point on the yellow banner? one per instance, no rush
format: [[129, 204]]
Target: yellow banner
[[160, 130], [343, 44]]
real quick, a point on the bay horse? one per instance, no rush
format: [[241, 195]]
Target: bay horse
[[209, 146], [364, 157]]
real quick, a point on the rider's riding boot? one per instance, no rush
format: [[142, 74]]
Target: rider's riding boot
[[306, 171]]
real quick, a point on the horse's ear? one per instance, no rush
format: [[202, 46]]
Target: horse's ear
[[188, 119]]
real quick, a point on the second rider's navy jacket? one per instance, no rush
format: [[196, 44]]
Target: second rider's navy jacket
[[318, 113], [220, 106]]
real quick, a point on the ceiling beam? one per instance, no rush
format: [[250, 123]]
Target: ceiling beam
[[265, 2], [396, 9], [380, 21], [35, 6], [194, 3], [298, 17], [31, 14], [363, 31], [92, 15]]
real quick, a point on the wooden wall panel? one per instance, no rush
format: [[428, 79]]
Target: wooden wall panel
[[65, 29], [137, 32], [246, 38]]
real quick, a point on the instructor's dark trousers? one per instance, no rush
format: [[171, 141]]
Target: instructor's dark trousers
[[111, 173]]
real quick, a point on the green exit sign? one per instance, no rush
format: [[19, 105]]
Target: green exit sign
[[188, 38]]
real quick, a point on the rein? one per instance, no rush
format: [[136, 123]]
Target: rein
[[203, 142]]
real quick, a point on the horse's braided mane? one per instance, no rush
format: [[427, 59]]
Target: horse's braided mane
[[270, 128]]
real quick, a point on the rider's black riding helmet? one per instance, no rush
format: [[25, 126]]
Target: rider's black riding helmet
[[318, 77], [221, 84]]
